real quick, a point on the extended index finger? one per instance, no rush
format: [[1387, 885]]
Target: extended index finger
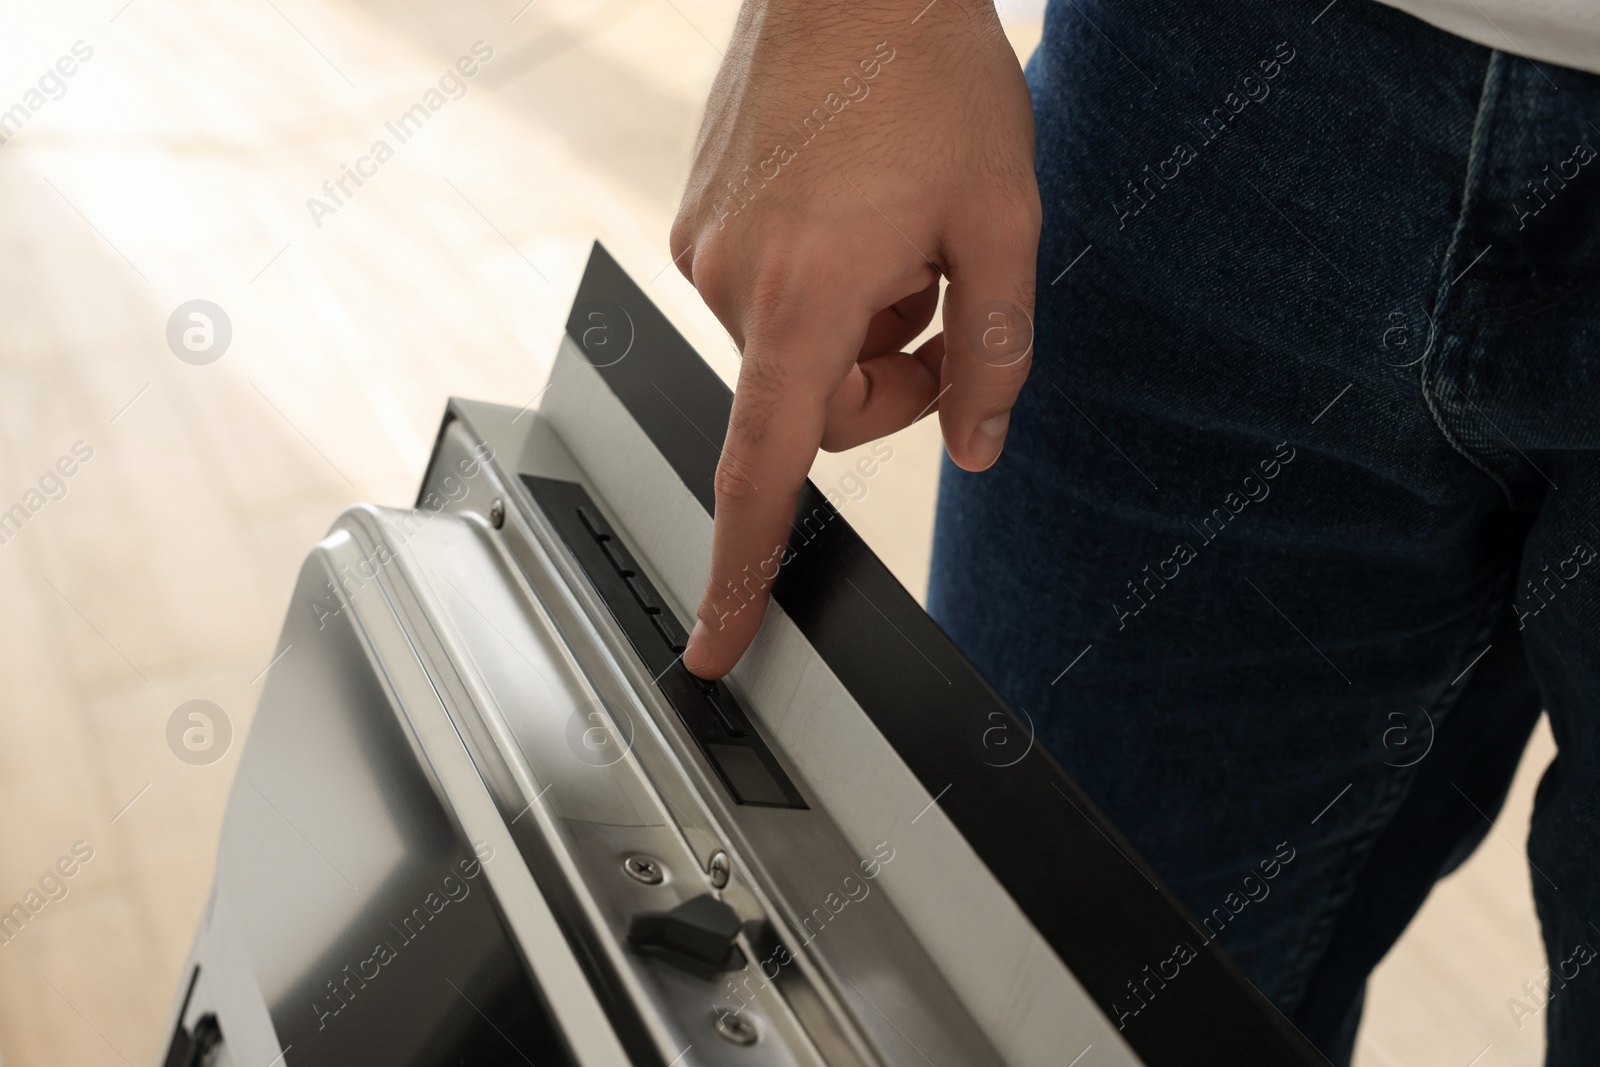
[[774, 433]]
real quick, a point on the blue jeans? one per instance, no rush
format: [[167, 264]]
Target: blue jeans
[[1295, 531]]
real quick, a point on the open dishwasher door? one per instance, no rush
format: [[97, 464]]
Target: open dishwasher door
[[485, 816]]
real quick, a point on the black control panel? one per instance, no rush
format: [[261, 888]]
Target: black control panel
[[708, 710]]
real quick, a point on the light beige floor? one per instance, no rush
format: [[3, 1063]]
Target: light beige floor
[[177, 166]]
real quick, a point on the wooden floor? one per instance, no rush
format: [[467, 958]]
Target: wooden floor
[[176, 165]]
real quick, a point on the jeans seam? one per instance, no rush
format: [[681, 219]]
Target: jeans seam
[[1428, 370], [1321, 928], [1315, 946]]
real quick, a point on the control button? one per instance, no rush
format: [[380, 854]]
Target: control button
[[597, 526], [699, 934], [645, 594], [620, 557], [668, 628], [722, 703]]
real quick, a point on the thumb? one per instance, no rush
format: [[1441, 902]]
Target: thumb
[[988, 336]]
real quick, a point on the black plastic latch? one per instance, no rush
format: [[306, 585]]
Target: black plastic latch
[[698, 935]]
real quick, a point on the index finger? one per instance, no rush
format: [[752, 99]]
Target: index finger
[[774, 433]]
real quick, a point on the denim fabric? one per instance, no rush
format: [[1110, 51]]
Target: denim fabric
[[1312, 423]]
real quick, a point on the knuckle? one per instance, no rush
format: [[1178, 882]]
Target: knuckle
[[777, 281], [732, 483], [1019, 219], [1011, 213], [715, 274]]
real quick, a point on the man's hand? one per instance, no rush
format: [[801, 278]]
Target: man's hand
[[851, 155]]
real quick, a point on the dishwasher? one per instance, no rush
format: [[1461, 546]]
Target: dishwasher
[[485, 816]]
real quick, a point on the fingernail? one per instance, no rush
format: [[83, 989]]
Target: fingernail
[[988, 439], [697, 653]]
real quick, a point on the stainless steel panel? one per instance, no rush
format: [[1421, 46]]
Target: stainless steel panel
[[856, 964], [456, 754]]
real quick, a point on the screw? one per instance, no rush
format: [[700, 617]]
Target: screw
[[497, 513], [720, 868], [734, 1028], [644, 869]]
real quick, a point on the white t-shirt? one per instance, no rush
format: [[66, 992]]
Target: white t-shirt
[[1566, 32]]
